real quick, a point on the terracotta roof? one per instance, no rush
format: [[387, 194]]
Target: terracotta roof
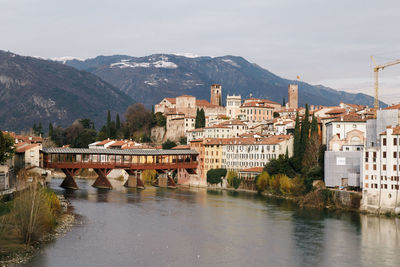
[[233, 122], [349, 118], [254, 169], [256, 104], [24, 148], [204, 103], [29, 139], [185, 96], [393, 107], [171, 100], [104, 142], [336, 111], [275, 139], [182, 147]]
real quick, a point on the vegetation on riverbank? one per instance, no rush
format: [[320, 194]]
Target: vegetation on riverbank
[[27, 219]]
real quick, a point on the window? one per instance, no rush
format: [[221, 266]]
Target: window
[[395, 141], [338, 126], [384, 167], [354, 125], [384, 154], [366, 185], [366, 177], [374, 167], [395, 154], [384, 141], [395, 167], [366, 166]]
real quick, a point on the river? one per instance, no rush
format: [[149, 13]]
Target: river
[[198, 227]]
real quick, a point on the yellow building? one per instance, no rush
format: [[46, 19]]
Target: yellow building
[[212, 153]]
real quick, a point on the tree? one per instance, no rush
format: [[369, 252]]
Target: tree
[[183, 140], [84, 138], [7, 149], [284, 102], [138, 120], [214, 176], [117, 123], [200, 121], [108, 125], [304, 133], [149, 176], [40, 129], [281, 165], [262, 181], [276, 114], [168, 144], [87, 123], [230, 176], [59, 136], [50, 131], [160, 119], [297, 144], [286, 186]]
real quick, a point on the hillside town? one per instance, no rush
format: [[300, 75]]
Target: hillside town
[[244, 135]]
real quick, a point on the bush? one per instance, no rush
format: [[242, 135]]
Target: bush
[[149, 176], [168, 144], [274, 183], [262, 181], [230, 175], [236, 182], [285, 185], [214, 175]]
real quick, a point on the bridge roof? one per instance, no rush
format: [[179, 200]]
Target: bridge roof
[[144, 152]]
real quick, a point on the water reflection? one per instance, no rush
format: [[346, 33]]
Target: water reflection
[[197, 227]]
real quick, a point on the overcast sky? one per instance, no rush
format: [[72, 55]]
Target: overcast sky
[[325, 42]]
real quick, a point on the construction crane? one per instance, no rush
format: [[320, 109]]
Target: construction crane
[[376, 75]]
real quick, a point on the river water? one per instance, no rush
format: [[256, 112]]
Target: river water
[[198, 227]]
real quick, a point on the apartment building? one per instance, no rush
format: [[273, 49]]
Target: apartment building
[[380, 175], [256, 111], [242, 153]]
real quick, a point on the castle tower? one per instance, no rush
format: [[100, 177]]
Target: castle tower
[[293, 96], [216, 95]]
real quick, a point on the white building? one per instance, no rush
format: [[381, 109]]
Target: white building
[[242, 153], [343, 125], [380, 175], [195, 134], [233, 103]]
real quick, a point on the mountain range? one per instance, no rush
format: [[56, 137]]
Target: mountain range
[[34, 90], [149, 79]]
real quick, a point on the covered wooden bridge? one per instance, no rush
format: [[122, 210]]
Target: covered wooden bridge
[[102, 161]]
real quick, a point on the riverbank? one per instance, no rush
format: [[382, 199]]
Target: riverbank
[[18, 253], [330, 199]]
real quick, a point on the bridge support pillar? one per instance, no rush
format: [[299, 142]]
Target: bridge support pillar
[[165, 180], [102, 182], [69, 182], [134, 179]]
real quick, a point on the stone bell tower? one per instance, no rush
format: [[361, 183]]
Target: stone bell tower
[[293, 92], [216, 95]]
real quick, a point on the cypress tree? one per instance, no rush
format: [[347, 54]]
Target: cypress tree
[[118, 122], [50, 130], [314, 125], [197, 120], [108, 126], [40, 129], [297, 142], [34, 128], [202, 118], [284, 102], [305, 130]]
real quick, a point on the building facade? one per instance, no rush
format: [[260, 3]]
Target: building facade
[[380, 175]]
